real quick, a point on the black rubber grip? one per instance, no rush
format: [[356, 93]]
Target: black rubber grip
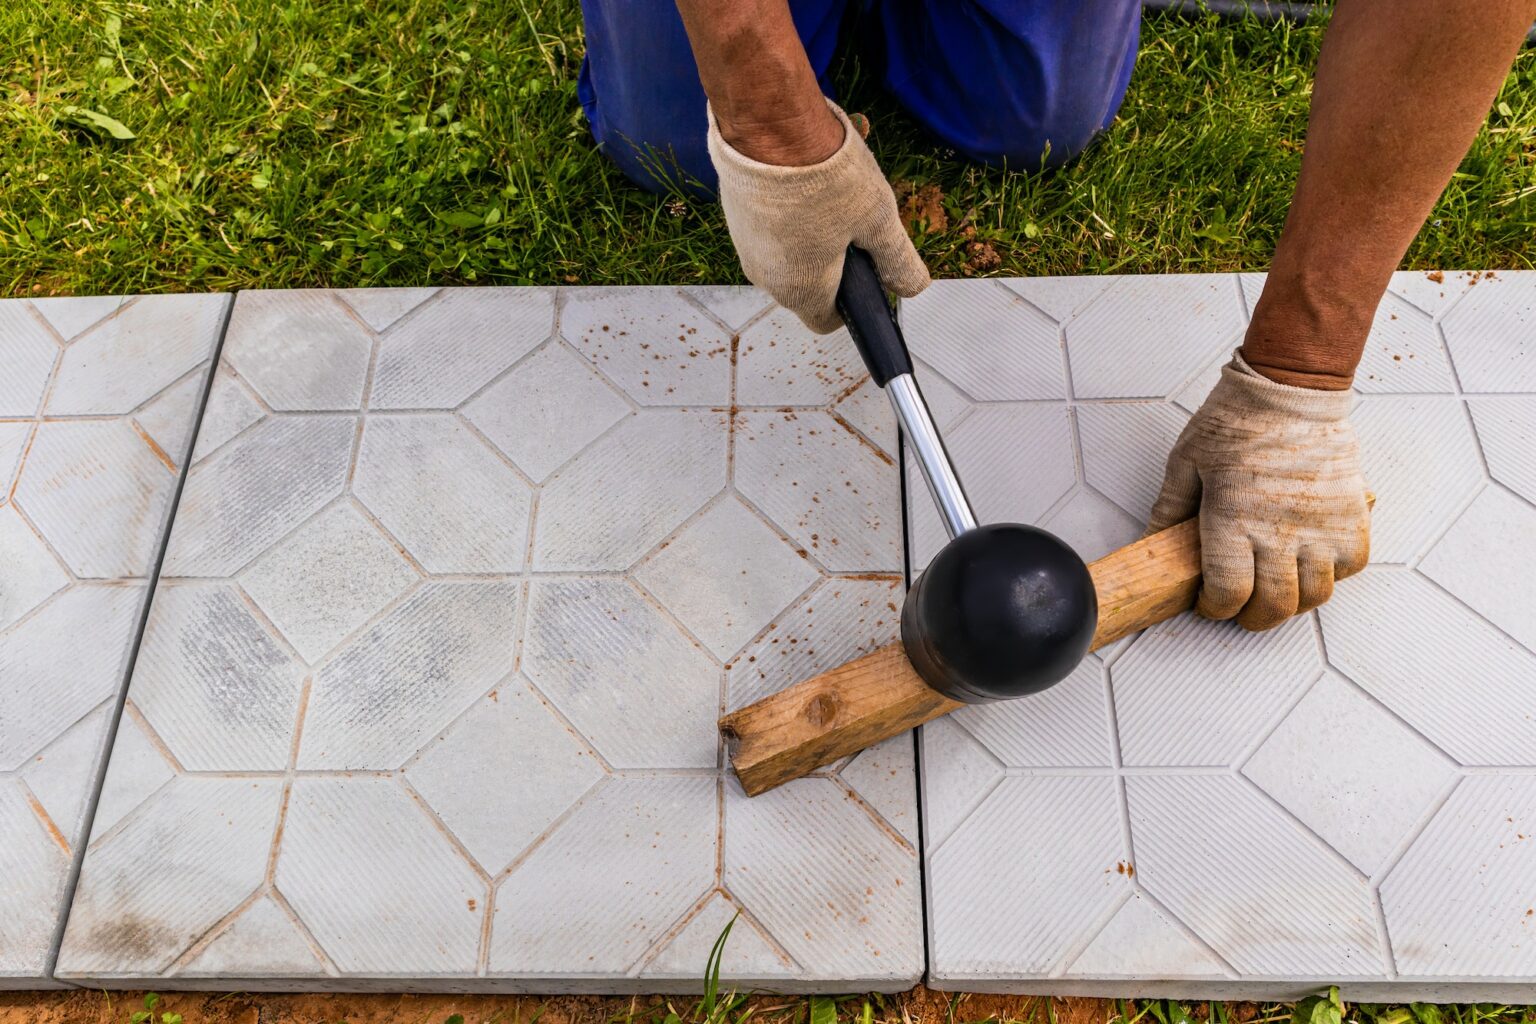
[[864, 308]]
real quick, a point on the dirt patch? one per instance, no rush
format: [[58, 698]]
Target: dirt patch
[[922, 208], [918, 1006], [981, 258]]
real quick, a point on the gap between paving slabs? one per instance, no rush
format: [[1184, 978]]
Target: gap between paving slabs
[[108, 392]]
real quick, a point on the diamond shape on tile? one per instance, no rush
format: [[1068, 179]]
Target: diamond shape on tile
[[217, 831], [31, 574], [1125, 448], [1060, 297], [137, 770], [1092, 524], [474, 774], [300, 350], [1459, 902], [1016, 461], [1191, 691], [1281, 905], [62, 662], [255, 490], [726, 575], [262, 942], [1350, 772], [957, 774], [747, 954], [1403, 352], [630, 489], [1064, 726], [127, 360], [1433, 291], [983, 337], [734, 304], [1141, 942], [69, 316], [402, 681], [213, 682], [1507, 429], [643, 694], [546, 410], [61, 776], [840, 620], [380, 307], [868, 411], [882, 775], [327, 579], [829, 490], [99, 495], [1402, 639], [1176, 324], [1419, 457], [378, 886], [1488, 559], [651, 342], [34, 867], [229, 411], [29, 356], [781, 362], [648, 846], [443, 494], [1492, 334], [458, 344], [980, 889], [168, 418], [844, 895]]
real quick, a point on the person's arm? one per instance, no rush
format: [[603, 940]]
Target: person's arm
[[1400, 91], [797, 183], [1270, 461], [760, 85]]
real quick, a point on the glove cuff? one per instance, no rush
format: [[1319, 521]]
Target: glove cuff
[[1257, 391], [743, 175]]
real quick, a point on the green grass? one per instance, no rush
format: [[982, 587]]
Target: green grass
[[371, 142]]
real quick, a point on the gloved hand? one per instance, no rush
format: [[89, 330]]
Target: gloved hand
[[1274, 473], [791, 225]]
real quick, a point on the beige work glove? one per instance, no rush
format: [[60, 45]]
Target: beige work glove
[[791, 225], [1274, 473]]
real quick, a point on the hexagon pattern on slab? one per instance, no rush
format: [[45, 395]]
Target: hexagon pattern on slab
[[458, 588], [98, 398], [1346, 798]]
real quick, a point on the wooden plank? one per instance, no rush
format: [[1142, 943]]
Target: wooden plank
[[880, 695]]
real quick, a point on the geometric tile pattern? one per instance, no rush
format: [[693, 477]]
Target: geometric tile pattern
[[1209, 813], [459, 584], [98, 398]]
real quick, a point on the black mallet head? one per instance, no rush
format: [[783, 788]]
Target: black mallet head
[[1002, 611]]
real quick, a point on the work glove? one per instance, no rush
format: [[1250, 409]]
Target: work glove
[[1274, 473], [791, 225]]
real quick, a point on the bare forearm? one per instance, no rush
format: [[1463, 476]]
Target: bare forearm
[[759, 81], [1401, 89]]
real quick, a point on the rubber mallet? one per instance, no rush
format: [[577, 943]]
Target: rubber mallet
[[1002, 611]]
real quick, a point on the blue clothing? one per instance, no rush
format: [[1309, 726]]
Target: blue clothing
[[1022, 82]]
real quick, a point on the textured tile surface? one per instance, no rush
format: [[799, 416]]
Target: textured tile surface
[[98, 397], [1348, 798], [458, 587]]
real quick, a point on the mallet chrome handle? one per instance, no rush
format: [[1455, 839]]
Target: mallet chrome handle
[[862, 302]]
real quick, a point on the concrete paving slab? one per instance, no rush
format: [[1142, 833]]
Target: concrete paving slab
[[1206, 813], [458, 586], [98, 400]]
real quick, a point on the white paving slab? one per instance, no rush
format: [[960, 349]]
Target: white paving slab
[[459, 585], [98, 399], [1202, 812]]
